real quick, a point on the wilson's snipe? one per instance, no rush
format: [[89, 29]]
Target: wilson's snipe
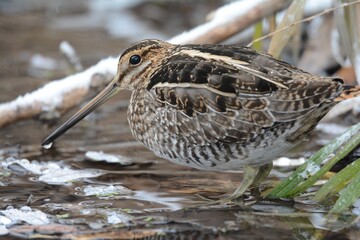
[[216, 107]]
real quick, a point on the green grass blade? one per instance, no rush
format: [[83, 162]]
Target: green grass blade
[[348, 196], [316, 173], [308, 173], [338, 181], [257, 34]]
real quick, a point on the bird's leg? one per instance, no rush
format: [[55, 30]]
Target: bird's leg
[[253, 176], [249, 178]]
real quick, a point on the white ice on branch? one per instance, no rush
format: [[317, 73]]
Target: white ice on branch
[[234, 10], [220, 16], [51, 95]]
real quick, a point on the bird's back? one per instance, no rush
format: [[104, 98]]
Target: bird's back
[[227, 106]]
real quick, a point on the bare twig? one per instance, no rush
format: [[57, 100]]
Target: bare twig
[[292, 14], [308, 19]]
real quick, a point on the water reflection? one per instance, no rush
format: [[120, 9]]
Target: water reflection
[[170, 203]]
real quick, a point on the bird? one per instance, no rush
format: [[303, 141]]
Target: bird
[[217, 107]]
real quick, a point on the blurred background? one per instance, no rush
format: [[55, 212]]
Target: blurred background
[[33, 30]]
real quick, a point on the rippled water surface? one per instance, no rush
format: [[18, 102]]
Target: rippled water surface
[[62, 192]]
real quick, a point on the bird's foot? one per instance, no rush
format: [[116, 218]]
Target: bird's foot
[[252, 176], [228, 201]]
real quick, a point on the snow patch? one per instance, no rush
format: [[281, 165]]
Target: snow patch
[[288, 162], [109, 158], [118, 218], [106, 190], [25, 214], [310, 170], [51, 172]]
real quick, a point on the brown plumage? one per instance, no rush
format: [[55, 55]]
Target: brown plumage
[[216, 107]]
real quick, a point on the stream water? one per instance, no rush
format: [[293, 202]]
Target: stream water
[[73, 190]]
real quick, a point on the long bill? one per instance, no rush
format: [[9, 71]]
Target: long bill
[[102, 97]]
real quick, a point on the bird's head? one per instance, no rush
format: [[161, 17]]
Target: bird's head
[[136, 64]]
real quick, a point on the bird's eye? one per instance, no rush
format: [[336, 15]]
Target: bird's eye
[[135, 59]]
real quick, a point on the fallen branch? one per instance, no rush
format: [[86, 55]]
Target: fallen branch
[[59, 95], [230, 20], [63, 94]]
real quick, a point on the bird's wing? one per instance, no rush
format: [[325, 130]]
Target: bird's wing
[[231, 93]]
